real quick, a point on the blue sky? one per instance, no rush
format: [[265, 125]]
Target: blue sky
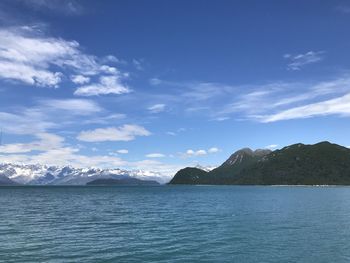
[[159, 85]]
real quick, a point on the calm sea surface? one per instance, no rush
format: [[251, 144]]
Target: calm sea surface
[[175, 224]]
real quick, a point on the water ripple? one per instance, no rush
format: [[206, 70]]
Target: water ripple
[[174, 224]]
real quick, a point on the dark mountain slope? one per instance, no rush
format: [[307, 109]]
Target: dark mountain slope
[[298, 164], [191, 175], [319, 164], [227, 172], [4, 180], [224, 174]]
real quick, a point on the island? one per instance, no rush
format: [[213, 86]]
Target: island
[[124, 181]]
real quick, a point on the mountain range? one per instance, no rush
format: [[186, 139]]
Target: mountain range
[[124, 181], [36, 174], [323, 163]]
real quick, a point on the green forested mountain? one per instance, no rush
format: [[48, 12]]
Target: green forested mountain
[[298, 164]]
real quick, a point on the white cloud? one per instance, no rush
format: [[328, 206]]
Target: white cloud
[[30, 57], [65, 156], [46, 142], [301, 60], [201, 152], [213, 150], [338, 106], [74, 106], [49, 114], [271, 146], [127, 132], [108, 119], [52, 150], [106, 85], [111, 58], [28, 74], [265, 100], [26, 56], [155, 81], [157, 108], [194, 153], [28, 121], [190, 153], [222, 118], [123, 151], [155, 155], [80, 79], [66, 7]]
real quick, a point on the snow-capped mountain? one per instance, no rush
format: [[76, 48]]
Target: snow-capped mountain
[[37, 174]]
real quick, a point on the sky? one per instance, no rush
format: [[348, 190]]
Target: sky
[[160, 85]]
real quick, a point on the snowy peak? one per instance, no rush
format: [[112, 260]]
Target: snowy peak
[[53, 175]]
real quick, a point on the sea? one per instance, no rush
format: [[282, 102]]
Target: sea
[[174, 224]]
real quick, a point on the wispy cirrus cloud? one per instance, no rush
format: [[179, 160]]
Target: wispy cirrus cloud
[[123, 151], [155, 155], [49, 114], [256, 102], [65, 7], [74, 106], [193, 97], [338, 106], [26, 121], [345, 9], [197, 91], [138, 63], [264, 101], [296, 62], [45, 142], [157, 108], [127, 132]]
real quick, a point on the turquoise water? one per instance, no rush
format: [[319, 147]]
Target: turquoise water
[[175, 224]]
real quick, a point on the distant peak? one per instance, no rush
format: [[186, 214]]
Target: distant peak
[[242, 154], [257, 152], [245, 150], [261, 152], [324, 143]]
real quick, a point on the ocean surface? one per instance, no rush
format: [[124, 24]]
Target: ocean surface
[[175, 224]]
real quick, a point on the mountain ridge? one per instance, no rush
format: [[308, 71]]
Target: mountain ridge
[[320, 163], [37, 174]]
